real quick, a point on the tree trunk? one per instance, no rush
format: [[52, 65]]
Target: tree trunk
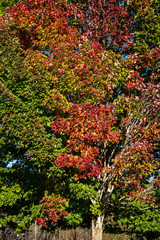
[[97, 227]]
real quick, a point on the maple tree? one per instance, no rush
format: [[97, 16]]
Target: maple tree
[[103, 107]]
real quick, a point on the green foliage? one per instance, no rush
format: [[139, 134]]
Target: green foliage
[[10, 195], [4, 4], [74, 219], [28, 146], [146, 26], [136, 218], [87, 192], [83, 191]]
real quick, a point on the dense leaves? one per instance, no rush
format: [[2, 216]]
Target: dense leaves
[[80, 110], [27, 144]]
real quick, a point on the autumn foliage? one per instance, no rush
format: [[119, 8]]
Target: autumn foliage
[[97, 112], [52, 210]]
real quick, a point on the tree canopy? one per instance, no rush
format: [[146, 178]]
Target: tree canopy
[[80, 113]]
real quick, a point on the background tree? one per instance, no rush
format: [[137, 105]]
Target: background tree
[[27, 143]]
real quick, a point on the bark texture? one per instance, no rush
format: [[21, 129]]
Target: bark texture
[[97, 227]]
